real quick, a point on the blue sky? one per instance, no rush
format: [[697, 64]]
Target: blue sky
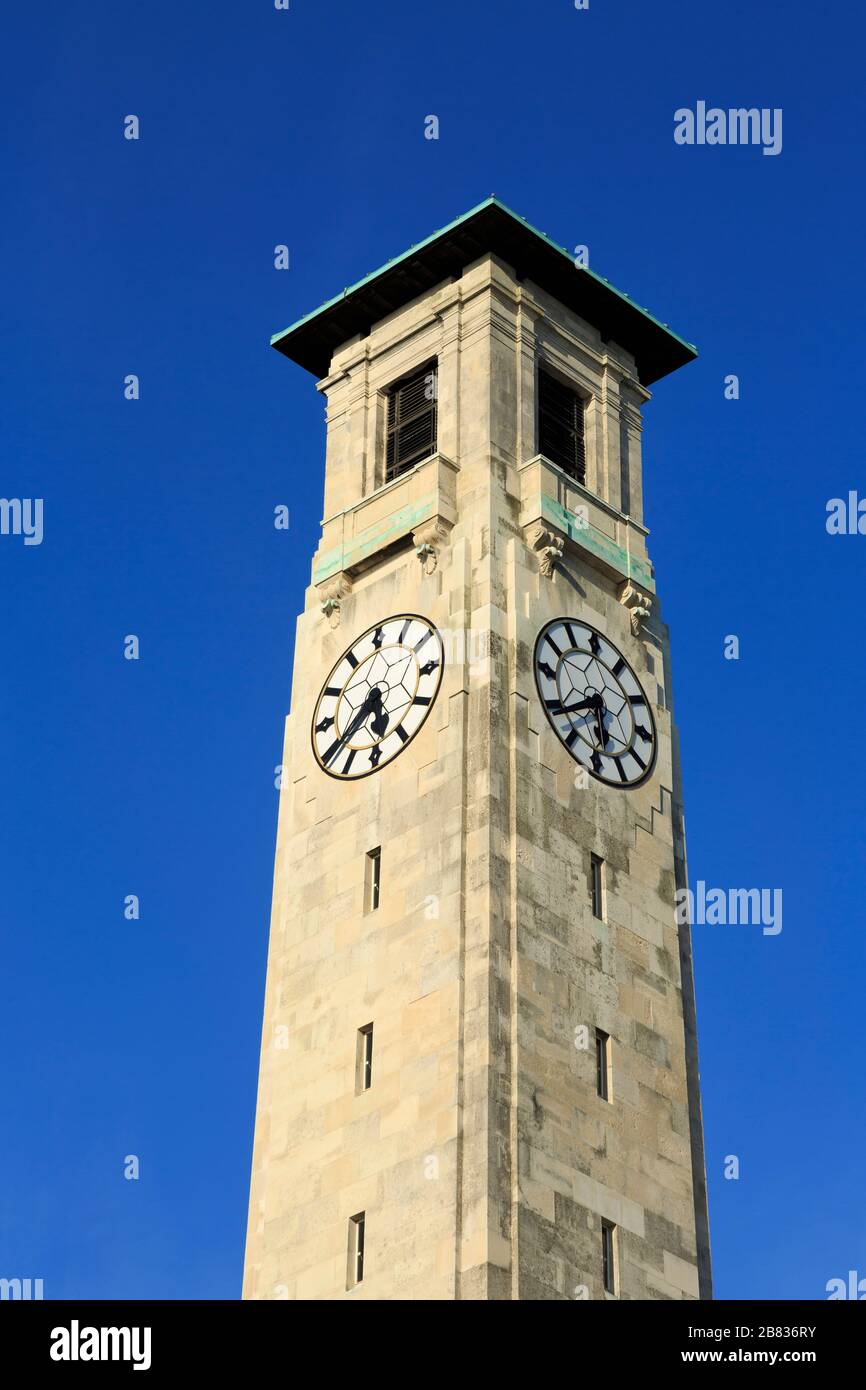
[[155, 777]]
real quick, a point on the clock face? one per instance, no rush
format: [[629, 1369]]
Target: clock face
[[595, 703], [377, 696]]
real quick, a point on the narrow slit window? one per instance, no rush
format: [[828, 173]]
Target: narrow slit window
[[596, 872], [355, 1271], [561, 426], [608, 1256], [372, 879], [364, 1059], [602, 1063], [411, 421]]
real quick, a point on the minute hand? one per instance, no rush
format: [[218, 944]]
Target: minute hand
[[372, 702], [581, 704]]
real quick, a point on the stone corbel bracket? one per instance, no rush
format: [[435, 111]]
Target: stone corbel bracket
[[332, 593], [548, 546], [639, 604], [428, 539]]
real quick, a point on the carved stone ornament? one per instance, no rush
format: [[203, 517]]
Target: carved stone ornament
[[429, 538], [547, 545], [333, 594], [639, 605]]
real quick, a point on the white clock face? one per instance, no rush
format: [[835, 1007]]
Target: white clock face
[[377, 696], [595, 703]]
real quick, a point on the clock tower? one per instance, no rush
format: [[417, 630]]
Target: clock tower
[[479, 1073]]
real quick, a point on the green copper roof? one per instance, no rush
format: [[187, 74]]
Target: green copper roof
[[494, 228]]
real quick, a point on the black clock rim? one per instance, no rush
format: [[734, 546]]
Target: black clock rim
[[650, 769], [359, 776]]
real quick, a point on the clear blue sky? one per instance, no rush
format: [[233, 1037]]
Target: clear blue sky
[[261, 127]]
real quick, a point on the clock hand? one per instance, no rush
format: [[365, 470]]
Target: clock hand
[[355, 722], [581, 704], [379, 722], [600, 712]]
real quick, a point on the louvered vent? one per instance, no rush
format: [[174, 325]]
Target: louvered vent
[[411, 421], [560, 426]]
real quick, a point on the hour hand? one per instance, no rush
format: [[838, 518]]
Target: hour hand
[[351, 728], [602, 731], [379, 722], [581, 704]]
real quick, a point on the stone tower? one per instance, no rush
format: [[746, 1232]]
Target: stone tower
[[479, 1073]]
